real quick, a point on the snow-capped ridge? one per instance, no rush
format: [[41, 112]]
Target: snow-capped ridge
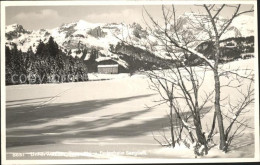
[[82, 34], [15, 27], [82, 24]]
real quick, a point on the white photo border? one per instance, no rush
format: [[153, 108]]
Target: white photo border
[[5, 4]]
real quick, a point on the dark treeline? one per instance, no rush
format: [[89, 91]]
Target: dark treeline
[[139, 59], [49, 64], [230, 50]]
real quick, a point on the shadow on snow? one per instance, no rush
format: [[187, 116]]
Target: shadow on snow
[[28, 115]]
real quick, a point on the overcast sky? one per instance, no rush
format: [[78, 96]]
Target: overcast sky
[[47, 17]]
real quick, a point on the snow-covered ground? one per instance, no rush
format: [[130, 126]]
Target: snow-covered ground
[[99, 76], [101, 119]]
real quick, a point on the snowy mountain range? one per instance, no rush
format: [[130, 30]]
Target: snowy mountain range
[[80, 35]]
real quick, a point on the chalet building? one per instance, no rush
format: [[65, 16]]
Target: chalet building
[[110, 66], [108, 69], [247, 55], [231, 45]]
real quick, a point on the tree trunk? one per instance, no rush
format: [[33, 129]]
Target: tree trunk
[[217, 99], [212, 127], [200, 135], [171, 120]]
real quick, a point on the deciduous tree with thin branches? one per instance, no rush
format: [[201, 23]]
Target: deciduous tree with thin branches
[[180, 85]]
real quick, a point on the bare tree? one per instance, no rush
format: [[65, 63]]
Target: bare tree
[[179, 86], [172, 36], [180, 83], [236, 109], [213, 13]]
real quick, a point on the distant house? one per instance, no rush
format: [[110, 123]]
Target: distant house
[[110, 66], [231, 44], [247, 55], [108, 69]]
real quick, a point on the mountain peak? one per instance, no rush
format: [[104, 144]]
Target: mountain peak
[[16, 28], [82, 21], [12, 27], [82, 24]]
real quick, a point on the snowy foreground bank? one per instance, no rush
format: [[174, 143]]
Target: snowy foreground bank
[[102, 119]]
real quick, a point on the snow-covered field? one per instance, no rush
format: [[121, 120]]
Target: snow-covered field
[[101, 119], [99, 76]]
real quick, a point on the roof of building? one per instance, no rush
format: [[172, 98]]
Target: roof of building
[[105, 66]]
